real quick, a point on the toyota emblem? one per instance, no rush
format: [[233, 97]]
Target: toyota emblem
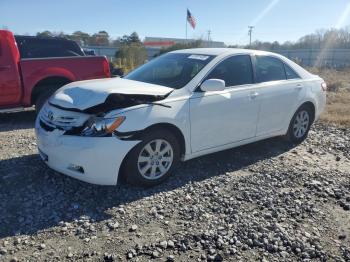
[[50, 115]]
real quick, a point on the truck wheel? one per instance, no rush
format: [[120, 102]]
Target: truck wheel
[[43, 97], [153, 160]]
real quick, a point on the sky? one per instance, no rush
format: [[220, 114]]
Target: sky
[[228, 20]]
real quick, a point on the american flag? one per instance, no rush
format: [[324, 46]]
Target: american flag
[[191, 19]]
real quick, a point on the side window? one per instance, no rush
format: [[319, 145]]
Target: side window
[[291, 74], [269, 69], [235, 70], [38, 48]]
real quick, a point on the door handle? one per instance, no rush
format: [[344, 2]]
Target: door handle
[[298, 86], [253, 95], [3, 68]]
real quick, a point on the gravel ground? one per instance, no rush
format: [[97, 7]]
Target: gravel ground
[[268, 201]]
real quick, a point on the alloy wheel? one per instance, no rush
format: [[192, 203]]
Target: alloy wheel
[[155, 159], [301, 124]]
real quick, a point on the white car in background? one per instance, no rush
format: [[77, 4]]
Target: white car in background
[[179, 106]]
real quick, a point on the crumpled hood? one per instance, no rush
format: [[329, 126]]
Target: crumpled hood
[[86, 94]]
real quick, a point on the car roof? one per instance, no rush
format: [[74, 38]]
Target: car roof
[[232, 51], [220, 51]]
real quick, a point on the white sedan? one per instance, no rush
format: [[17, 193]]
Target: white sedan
[[179, 106]]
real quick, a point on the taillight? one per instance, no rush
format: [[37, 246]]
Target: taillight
[[324, 86], [106, 68]]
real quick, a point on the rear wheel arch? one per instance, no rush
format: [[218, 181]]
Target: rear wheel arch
[[310, 105], [302, 125]]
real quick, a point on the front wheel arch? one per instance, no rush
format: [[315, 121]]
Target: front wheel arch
[[146, 133], [173, 129], [159, 126]]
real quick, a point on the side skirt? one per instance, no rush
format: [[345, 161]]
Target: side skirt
[[231, 145]]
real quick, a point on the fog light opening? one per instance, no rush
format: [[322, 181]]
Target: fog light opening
[[76, 168]]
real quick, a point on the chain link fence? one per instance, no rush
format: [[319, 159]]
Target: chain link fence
[[334, 58]]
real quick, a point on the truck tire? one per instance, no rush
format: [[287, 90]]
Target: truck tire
[[43, 97]]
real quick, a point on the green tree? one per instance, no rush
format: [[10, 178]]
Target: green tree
[[131, 52], [129, 39], [101, 38], [134, 38], [80, 37], [46, 33], [133, 55]]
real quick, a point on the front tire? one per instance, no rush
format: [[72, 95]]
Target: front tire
[[153, 160], [300, 124]]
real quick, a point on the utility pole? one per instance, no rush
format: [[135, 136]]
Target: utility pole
[[250, 31], [209, 33]]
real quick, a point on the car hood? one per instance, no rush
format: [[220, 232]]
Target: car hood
[[84, 95]]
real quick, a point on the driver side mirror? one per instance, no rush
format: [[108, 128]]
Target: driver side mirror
[[213, 85]]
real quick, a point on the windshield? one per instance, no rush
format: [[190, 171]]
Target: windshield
[[170, 70]]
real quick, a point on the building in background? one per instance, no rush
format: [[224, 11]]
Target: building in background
[[153, 46], [163, 42]]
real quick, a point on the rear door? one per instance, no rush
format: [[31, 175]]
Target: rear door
[[224, 117], [10, 83], [280, 90]]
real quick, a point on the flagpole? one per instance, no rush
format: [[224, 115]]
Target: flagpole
[[186, 27]]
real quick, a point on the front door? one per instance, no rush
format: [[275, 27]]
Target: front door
[[223, 117]]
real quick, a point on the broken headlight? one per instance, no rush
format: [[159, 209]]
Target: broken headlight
[[99, 126]]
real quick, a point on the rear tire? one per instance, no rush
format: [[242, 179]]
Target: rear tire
[[300, 124], [153, 160]]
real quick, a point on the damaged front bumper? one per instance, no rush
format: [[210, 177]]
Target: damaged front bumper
[[95, 160]]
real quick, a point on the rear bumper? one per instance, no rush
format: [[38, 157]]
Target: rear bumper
[[321, 105], [95, 160]]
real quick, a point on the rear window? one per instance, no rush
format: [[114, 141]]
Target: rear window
[[269, 69], [40, 48], [291, 74]]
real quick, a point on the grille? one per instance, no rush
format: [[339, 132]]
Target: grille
[[51, 119]]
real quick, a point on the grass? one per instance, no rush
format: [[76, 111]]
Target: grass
[[338, 96]]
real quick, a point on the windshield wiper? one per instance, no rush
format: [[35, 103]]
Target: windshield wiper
[[156, 104]]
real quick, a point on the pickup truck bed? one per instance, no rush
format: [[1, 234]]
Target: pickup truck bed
[[30, 81]]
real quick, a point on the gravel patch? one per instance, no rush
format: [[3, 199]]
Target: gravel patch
[[268, 201]]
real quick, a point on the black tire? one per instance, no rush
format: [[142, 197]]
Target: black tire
[[131, 172], [43, 97], [297, 135]]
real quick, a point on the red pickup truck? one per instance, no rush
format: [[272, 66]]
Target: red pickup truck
[[28, 76]]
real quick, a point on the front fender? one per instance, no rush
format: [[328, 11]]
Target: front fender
[[144, 117]]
